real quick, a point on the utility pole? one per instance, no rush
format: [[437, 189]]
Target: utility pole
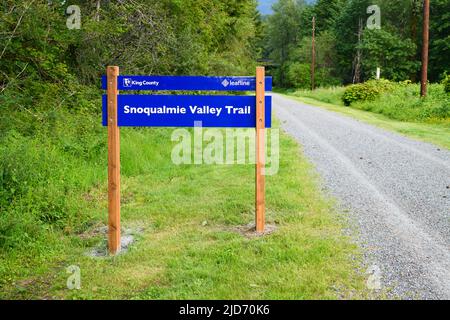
[[425, 41], [313, 60]]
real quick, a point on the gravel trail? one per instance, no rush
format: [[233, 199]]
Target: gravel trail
[[395, 189]]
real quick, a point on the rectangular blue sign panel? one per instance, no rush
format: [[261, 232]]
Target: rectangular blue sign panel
[[188, 83], [184, 110]]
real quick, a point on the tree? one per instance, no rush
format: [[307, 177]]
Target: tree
[[41, 59], [346, 33], [284, 31], [326, 13], [325, 62], [387, 50], [439, 39]]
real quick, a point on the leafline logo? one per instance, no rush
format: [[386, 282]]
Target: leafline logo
[[235, 83], [240, 83], [224, 147], [225, 83]]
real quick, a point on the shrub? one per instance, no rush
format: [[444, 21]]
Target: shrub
[[46, 170], [404, 103], [365, 91], [446, 83], [353, 93], [299, 75]]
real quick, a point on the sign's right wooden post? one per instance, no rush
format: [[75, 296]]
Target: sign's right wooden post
[[260, 154]]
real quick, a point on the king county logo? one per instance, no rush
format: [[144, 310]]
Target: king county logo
[[127, 82], [225, 83]]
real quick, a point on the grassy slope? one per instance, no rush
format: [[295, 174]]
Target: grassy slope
[[330, 99], [176, 255]]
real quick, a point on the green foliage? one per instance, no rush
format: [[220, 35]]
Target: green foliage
[[395, 48], [439, 38], [324, 73], [326, 13], [45, 168], [346, 30], [52, 144], [403, 103], [446, 83], [431, 130], [299, 75], [178, 255], [354, 93], [332, 95], [398, 101], [284, 32], [365, 91], [395, 65], [142, 37], [212, 36]]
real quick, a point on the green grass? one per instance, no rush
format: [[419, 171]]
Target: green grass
[[177, 255], [332, 95], [385, 111]]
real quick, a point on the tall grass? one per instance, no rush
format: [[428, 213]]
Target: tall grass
[[403, 103], [53, 198], [52, 153], [331, 95]]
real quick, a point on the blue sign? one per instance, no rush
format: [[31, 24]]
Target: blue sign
[[185, 110], [188, 83]]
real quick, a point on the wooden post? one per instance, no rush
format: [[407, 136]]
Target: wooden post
[[425, 41], [260, 154], [113, 163]]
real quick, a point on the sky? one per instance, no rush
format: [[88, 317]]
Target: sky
[[265, 6]]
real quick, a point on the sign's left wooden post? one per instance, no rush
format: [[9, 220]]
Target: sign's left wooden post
[[113, 162]]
